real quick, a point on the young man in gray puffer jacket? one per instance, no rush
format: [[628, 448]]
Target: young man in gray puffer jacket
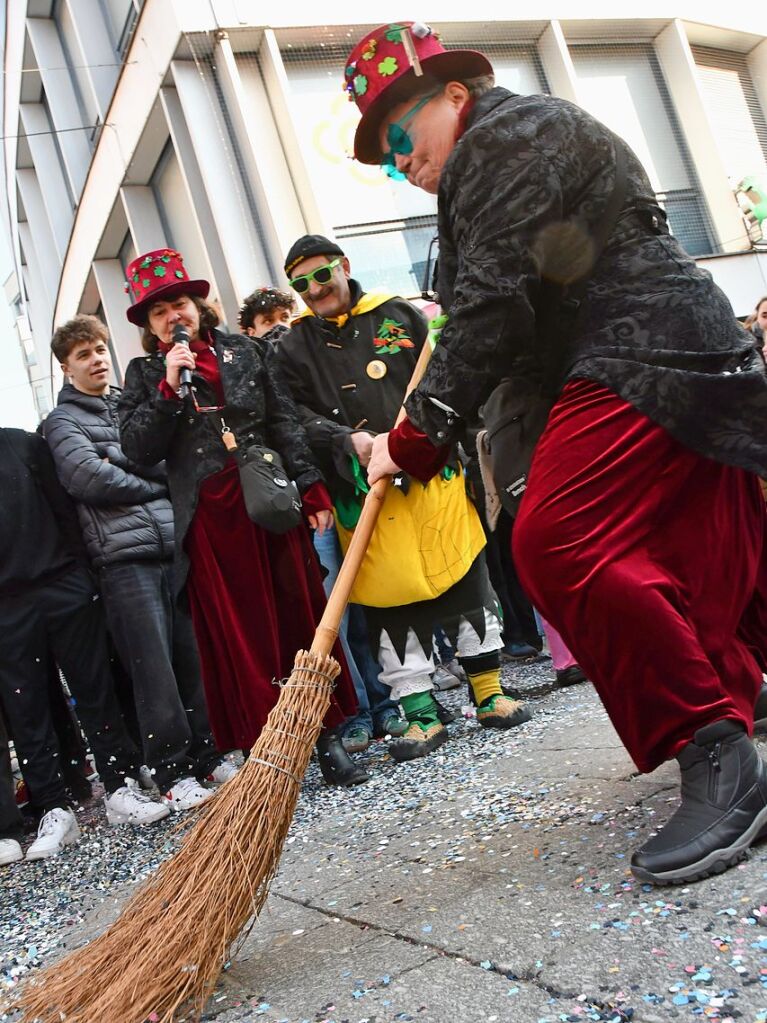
[[127, 524]]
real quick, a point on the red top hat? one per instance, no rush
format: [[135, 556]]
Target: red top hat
[[384, 70], [157, 275]]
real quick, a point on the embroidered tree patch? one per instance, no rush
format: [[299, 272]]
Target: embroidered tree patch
[[391, 337]]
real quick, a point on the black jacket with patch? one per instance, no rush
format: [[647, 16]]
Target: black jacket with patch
[[328, 369]]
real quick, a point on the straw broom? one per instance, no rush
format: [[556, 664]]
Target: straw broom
[[165, 952]]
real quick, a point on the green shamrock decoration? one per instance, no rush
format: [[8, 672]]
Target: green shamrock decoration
[[160, 271], [145, 283], [179, 274], [165, 259], [146, 262], [360, 85], [394, 35], [388, 66], [135, 277]]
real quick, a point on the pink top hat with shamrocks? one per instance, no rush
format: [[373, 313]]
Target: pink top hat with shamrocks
[[384, 70]]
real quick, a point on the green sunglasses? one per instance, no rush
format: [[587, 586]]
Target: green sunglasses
[[400, 143], [322, 275]]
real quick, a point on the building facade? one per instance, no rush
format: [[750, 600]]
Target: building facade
[[131, 125]]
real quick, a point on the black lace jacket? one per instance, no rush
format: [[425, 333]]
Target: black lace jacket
[[258, 410], [656, 329]]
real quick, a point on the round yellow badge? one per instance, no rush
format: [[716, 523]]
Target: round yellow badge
[[376, 369]]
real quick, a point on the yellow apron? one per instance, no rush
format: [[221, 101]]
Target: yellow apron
[[424, 542]]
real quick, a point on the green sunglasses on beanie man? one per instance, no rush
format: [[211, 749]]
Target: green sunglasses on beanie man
[[321, 274]]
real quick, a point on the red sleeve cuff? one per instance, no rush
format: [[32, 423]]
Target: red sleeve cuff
[[166, 391], [316, 499], [415, 453]]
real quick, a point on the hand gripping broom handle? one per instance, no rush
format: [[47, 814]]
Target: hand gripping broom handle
[[327, 630]]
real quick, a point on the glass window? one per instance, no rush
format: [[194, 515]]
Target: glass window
[[121, 17], [733, 108], [77, 62], [42, 399], [623, 87], [127, 252]]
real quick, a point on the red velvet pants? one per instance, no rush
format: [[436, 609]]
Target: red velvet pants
[[650, 561]]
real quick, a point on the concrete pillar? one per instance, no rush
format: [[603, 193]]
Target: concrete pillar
[[222, 284], [56, 197], [126, 341], [39, 308], [242, 250], [143, 217], [278, 89], [41, 235], [279, 212], [557, 63], [100, 63], [676, 59], [62, 101], [757, 65]]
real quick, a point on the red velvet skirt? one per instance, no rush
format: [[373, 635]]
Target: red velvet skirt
[[255, 599], [651, 562]]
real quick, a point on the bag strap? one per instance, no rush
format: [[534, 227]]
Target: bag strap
[[571, 306]]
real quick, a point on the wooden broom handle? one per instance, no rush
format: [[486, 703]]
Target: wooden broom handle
[[327, 630]]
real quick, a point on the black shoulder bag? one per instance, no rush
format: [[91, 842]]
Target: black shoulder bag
[[516, 413]]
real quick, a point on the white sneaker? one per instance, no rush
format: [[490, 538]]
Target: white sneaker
[[129, 805], [10, 851], [222, 772], [57, 828], [186, 794]]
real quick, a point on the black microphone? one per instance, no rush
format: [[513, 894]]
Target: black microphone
[[181, 337]]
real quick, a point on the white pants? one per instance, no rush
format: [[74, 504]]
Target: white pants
[[413, 675]]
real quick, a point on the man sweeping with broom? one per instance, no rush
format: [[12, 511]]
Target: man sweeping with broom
[[656, 432]]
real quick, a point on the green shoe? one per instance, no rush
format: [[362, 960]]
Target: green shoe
[[356, 740], [393, 725], [501, 711], [418, 741]]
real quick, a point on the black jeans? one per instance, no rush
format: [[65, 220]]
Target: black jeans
[[156, 644], [523, 626], [64, 616], [10, 819]]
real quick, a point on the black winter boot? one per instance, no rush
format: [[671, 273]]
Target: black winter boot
[[335, 763], [723, 811]]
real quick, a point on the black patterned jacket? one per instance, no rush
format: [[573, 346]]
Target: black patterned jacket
[[258, 410], [656, 330]]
